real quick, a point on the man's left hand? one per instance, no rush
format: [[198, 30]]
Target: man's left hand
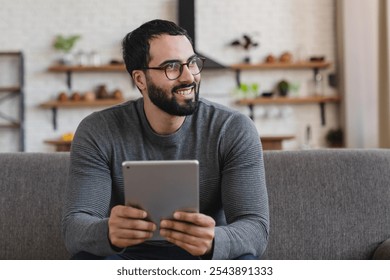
[[193, 232]]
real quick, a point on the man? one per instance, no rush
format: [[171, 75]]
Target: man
[[169, 122]]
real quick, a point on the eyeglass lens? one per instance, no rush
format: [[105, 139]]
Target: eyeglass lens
[[174, 70]]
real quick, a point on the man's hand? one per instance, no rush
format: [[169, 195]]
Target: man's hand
[[127, 226], [193, 232]]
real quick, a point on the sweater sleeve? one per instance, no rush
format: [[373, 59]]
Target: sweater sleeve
[[244, 193], [87, 205]]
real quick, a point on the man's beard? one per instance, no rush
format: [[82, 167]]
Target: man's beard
[[168, 101]]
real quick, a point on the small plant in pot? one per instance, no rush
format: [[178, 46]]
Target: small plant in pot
[[247, 43], [65, 45], [247, 90], [283, 88]]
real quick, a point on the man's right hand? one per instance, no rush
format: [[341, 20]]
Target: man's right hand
[[127, 226]]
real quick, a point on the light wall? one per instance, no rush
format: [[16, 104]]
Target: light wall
[[303, 27]]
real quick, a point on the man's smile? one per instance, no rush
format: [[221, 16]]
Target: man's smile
[[185, 91]]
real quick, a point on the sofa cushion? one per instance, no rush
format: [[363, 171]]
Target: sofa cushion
[[327, 204], [32, 186]]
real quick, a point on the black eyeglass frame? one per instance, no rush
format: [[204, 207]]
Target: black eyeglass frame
[[164, 67]]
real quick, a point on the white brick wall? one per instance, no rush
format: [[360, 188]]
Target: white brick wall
[[280, 25]]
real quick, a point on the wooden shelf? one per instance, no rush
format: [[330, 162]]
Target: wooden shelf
[[281, 65], [77, 104], [10, 125], [10, 53], [61, 145], [75, 68], [10, 89], [321, 100], [69, 69], [316, 66], [54, 105], [288, 100]]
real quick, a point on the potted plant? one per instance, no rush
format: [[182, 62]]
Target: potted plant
[[247, 90], [247, 43], [65, 45], [283, 87]]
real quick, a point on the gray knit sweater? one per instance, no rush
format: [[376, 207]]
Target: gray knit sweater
[[231, 174]]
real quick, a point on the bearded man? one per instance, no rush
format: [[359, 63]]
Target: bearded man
[[169, 122]]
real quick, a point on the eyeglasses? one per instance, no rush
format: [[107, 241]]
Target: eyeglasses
[[173, 70]]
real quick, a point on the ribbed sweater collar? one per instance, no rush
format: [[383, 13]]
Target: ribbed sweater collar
[[171, 139]]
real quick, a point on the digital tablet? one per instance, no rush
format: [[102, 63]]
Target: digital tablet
[[162, 187]]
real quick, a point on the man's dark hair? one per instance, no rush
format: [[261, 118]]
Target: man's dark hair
[[136, 44]]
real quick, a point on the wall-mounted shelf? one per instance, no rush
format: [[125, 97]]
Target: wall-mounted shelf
[[314, 65], [281, 65], [76, 68], [321, 100], [288, 100], [10, 89], [69, 69], [82, 103], [54, 105], [60, 145]]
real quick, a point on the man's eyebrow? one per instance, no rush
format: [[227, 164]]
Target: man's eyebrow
[[176, 60]]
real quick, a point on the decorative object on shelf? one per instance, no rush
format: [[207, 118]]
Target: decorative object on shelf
[[65, 45], [317, 58], [247, 43], [67, 136], [267, 94], [116, 62], [283, 88], [102, 92], [270, 59], [76, 96], [62, 97], [81, 58], [335, 138], [94, 58], [286, 57], [117, 94], [247, 90], [89, 96], [294, 88]]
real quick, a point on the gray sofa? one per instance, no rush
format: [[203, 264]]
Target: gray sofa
[[324, 204]]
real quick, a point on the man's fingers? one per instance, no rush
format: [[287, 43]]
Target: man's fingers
[[184, 228], [129, 212], [195, 218]]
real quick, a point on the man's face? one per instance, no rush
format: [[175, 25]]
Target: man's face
[[177, 97]]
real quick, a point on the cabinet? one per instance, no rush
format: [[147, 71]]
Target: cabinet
[[69, 70], [314, 66], [7, 92]]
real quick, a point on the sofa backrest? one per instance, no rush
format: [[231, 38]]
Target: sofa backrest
[[327, 204], [32, 187], [324, 204]]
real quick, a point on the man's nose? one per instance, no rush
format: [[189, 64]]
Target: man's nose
[[186, 75]]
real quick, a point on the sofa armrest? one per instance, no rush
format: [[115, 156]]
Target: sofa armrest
[[383, 251]]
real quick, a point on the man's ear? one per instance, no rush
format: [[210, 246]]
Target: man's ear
[[139, 79]]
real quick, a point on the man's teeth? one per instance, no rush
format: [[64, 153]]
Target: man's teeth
[[185, 91]]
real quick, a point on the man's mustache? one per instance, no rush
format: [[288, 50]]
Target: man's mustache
[[184, 86]]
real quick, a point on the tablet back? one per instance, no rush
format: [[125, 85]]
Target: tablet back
[[162, 187]]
